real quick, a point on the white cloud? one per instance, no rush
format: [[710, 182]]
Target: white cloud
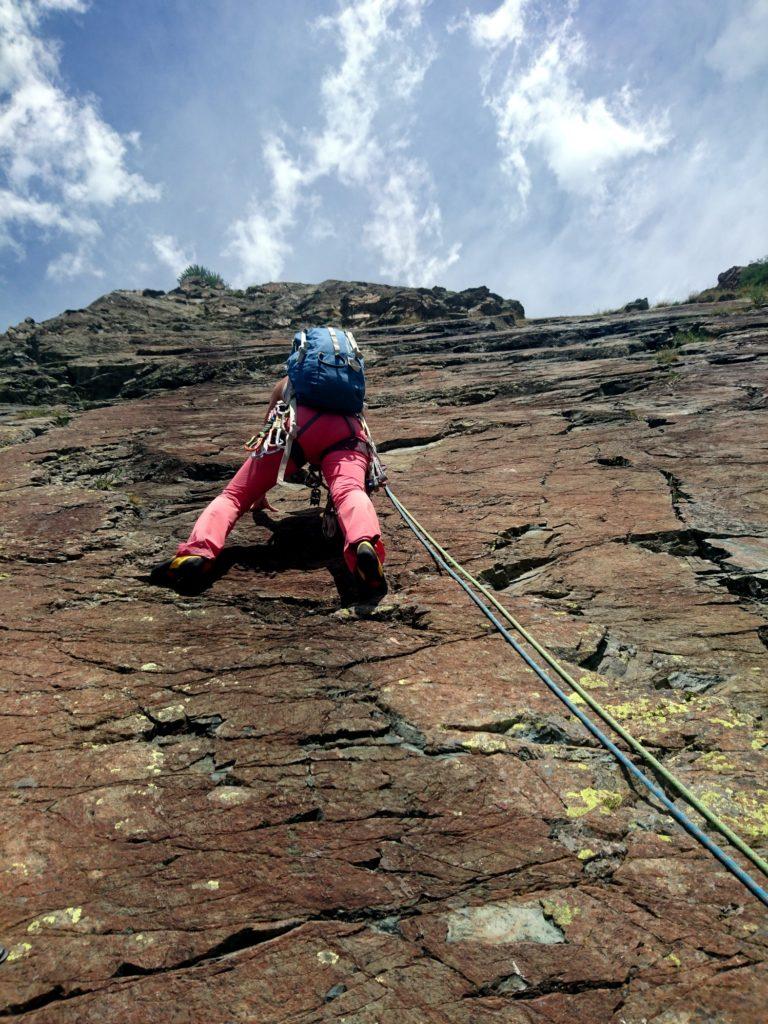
[[500, 27], [363, 143], [61, 161], [73, 264], [169, 251], [406, 228], [541, 111], [742, 47]]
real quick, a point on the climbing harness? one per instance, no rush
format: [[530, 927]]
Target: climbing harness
[[281, 433], [456, 572]]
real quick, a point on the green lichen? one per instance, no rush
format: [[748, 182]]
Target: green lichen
[[605, 800]]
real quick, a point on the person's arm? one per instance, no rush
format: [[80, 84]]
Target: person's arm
[[277, 396]]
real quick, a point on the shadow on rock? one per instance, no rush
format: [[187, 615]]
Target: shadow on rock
[[297, 542]]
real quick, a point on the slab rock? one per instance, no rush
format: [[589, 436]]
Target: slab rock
[[265, 802]]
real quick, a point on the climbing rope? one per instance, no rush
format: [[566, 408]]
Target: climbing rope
[[445, 561]]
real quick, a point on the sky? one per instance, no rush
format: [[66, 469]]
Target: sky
[[572, 154]]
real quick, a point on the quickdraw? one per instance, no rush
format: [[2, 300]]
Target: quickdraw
[[275, 433]]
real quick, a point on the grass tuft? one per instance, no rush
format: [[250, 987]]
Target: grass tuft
[[208, 277]]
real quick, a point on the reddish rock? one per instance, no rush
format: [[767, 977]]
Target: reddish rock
[[264, 803]]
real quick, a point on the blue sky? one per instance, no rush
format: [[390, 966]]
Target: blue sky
[[570, 153]]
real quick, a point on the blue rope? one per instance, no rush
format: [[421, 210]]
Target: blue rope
[[682, 819]]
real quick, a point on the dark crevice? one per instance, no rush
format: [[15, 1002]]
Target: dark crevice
[[246, 938], [502, 575], [698, 544], [676, 493], [328, 739], [200, 725], [613, 460], [57, 994], [506, 986]]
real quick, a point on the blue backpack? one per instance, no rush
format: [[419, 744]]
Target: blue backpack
[[327, 371]]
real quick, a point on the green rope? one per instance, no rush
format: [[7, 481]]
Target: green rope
[[599, 710]]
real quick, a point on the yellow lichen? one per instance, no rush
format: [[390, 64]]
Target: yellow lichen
[[731, 720], [592, 681], [586, 854], [488, 744], [652, 713], [18, 951], [715, 761], [327, 956], [605, 800], [56, 919], [560, 912], [747, 811], [673, 959]]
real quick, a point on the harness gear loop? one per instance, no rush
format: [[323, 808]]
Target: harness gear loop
[[377, 472], [290, 433]]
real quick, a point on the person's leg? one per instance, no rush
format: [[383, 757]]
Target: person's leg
[[345, 472], [251, 482]]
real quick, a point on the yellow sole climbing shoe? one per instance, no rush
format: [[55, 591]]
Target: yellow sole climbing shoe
[[368, 568], [181, 569]]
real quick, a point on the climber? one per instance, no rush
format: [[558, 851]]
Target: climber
[[315, 415]]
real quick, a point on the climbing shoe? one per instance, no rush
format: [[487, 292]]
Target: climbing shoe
[[183, 569], [368, 569]]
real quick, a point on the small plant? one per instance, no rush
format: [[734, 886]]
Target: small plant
[[209, 277], [33, 414], [61, 419], [108, 481], [693, 336], [756, 274], [758, 294], [667, 356]]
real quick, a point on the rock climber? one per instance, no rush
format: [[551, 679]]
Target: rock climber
[[335, 441]]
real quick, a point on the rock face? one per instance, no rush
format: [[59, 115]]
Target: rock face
[[264, 804], [128, 344]]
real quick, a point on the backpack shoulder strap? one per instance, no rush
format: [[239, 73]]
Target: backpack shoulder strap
[[353, 344], [334, 341]]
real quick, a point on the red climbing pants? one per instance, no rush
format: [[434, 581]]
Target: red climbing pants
[[344, 472]]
